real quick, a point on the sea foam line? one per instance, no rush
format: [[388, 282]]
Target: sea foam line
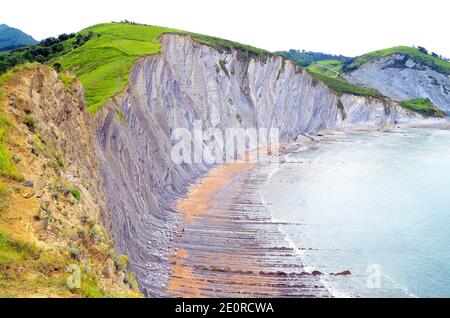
[[300, 253]]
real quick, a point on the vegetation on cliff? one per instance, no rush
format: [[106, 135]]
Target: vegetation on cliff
[[423, 106], [332, 69], [418, 55], [44, 51], [51, 232], [228, 46], [101, 56], [341, 86], [306, 58], [103, 64]]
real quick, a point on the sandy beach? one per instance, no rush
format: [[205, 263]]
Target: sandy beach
[[228, 245]]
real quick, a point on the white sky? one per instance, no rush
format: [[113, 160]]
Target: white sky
[[349, 27]]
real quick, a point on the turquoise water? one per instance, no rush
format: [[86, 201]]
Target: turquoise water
[[377, 205]]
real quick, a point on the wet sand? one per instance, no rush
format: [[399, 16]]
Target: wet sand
[[228, 246]]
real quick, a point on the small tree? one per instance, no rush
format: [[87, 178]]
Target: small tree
[[40, 59], [63, 37], [57, 67], [422, 49]]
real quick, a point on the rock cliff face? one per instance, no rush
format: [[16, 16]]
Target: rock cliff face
[[187, 82], [401, 78], [61, 205]]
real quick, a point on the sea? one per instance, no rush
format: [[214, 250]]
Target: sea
[[370, 211]]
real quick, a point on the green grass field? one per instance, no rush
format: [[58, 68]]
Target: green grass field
[[104, 62], [413, 53], [423, 106], [329, 68]]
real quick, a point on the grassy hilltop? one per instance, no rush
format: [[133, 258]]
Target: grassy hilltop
[[332, 69], [104, 62], [101, 57], [434, 62]]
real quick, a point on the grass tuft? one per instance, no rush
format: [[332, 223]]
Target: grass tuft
[[15, 250], [228, 46], [7, 166], [76, 194]]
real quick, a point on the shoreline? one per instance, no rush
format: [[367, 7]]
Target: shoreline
[[231, 246]]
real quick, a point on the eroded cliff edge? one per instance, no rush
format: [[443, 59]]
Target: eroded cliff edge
[[119, 163], [53, 204], [187, 82], [401, 78]]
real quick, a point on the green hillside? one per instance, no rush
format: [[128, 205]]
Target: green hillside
[[423, 106], [417, 55], [101, 57], [332, 73], [306, 58], [341, 86], [330, 68], [104, 62]]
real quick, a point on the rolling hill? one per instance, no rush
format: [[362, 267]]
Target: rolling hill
[[406, 74], [11, 38]]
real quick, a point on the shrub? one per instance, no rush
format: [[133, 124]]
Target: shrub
[[130, 279], [30, 122], [63, 37], [74, 252], [57, 67], [89, 285], [76, 193], [121, 262], [223, 66], [43, 52], [342, 110], [66, 78]]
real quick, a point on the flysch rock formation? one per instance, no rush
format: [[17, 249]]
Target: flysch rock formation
[[401, 78], [188, 81], [122, 153]]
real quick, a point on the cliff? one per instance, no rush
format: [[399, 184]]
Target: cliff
[[53, 207], [402, 78], [111, 174], [186, 82]]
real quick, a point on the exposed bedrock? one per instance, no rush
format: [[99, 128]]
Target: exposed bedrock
[[401, 78], [187, 82]]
